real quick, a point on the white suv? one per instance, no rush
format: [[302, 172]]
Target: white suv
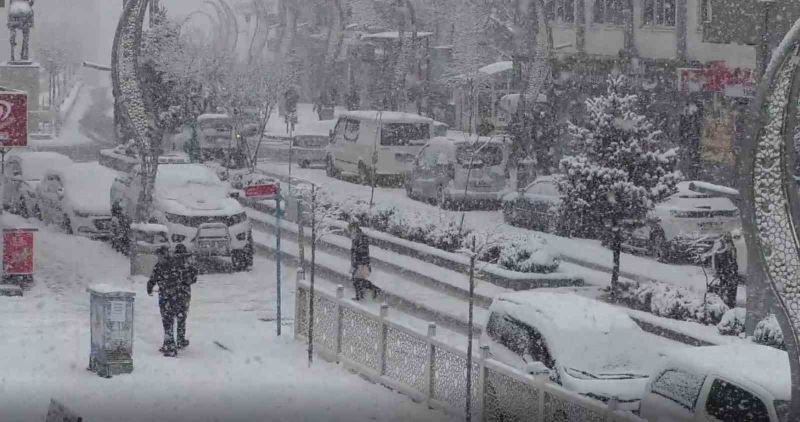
[[196, 207]]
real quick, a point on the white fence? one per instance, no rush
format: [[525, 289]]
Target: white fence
[[430, 371]]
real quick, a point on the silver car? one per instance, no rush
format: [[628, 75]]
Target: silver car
[[448, 170]]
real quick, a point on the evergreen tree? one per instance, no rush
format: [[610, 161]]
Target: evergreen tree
[[621, 168]]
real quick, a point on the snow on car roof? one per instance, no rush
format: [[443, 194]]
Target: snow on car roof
[[685, 197], [581, 333], [181, 174], [741, 363], [386, 116], [87, 186], [36, 163]]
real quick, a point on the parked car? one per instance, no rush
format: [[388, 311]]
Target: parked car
[[743, 382], [23, 172], [686, 217], [450, 170], [215, 135], [308, 150], [75, 198], [589, 347], [385, 144], [196, 207], [535, 207]]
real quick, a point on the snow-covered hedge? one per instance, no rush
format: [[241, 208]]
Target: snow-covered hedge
[[732, 323], [526, 254], [769, 333], [673, 302]]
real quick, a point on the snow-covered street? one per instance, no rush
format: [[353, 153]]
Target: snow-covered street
[[45, 350]]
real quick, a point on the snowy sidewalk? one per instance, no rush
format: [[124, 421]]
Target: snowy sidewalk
[[261, 377]]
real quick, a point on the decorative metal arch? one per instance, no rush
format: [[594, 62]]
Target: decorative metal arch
[[772, 207], [133, 107]]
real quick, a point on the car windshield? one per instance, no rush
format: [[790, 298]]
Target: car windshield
[[486, 156]]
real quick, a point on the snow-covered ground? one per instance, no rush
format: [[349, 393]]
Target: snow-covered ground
[[70, 131], [45, 351], [308, 122]]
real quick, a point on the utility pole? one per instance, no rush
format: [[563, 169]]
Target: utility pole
[[278, 258], [313, 264], [472, 257]]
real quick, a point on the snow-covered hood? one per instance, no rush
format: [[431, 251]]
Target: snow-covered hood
[[606, 386], [687, 200], [189, 201]]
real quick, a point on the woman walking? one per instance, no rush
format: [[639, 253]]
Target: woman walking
[[359, 261]]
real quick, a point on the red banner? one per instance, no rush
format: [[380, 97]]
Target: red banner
[[13, 119], [258, 191], [18, 252], [718, 77]]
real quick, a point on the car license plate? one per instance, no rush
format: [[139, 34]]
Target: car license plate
[[212, 246]]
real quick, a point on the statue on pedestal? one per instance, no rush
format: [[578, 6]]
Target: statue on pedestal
[[20, 17]]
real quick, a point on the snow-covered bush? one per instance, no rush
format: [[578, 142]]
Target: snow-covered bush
[[673, 302], [769, 333], [732, 323], [445, 234], [521, 253]]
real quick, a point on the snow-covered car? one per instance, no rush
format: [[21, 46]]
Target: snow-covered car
[[684, 218], [23, 172], [742, 382], [588, 347], [446, 171], [196, 207], [535, 207], [75, 198]]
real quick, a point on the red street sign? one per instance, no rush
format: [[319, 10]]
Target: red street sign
[[13, 119], [18, 252], [256, 191]]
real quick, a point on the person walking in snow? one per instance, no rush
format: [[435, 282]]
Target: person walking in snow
[[727, 270], [360, 262], [187, 273], [167, 278]]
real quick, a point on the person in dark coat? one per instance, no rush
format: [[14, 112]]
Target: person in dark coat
[[727, 270], [167, 278], [360, 261], [187, 273]]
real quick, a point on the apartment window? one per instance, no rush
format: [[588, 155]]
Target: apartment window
[[560, 11], [609, 12], [659, 12]]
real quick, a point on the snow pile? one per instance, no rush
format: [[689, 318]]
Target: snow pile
[[732, 323], [673, 302], [769, 333], [521, 253]]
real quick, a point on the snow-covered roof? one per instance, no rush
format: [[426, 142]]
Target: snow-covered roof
[[213, 116], [35, 163], [87, 186], [491, 69], [581, 333], [741, 363], [386, 116], [393, 35]]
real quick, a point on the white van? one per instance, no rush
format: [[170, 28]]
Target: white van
[[387, 140], [742, 382]]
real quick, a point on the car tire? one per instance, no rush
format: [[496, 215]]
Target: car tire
[[330, 167], [67, 225], [658, 246]]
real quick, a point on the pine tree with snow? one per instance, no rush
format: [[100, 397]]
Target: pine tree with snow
[[621, 168]]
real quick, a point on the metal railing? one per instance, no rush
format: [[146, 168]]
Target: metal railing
[[388, 352]]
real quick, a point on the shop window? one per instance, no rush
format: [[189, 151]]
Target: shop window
[[659, 13], [609, 12]]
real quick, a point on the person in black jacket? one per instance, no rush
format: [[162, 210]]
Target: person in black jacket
[[187, 273], [727, 271], [167, 277], [360, 262]]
